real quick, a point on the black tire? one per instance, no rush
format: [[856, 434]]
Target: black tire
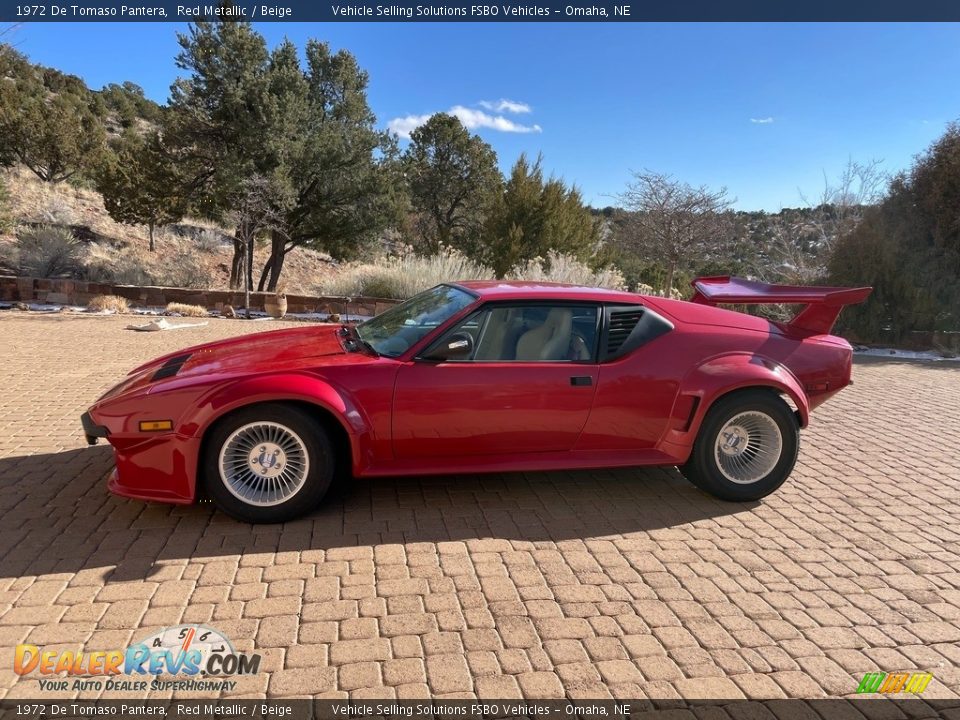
[[705, 471], [310, 486]]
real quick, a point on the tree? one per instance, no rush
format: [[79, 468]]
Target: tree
[[141, 185], [216, 121], [128, 101], [453, 180], [6, 220], [337, 170], [534, 216], [307, 135], [56, 135], [908, 249], [842, 202], [676, 224], [256, 211]]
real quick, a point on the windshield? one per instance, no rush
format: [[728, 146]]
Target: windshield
[[394, 332]]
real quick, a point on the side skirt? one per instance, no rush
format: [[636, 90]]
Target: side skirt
[[529, 462]]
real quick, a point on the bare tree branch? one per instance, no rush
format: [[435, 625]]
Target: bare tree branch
[[675, 223]]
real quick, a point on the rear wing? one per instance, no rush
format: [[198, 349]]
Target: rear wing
[[823, 304]]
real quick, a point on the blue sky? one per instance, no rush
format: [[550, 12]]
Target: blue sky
[[762, 109]]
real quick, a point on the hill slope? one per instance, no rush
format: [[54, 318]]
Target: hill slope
[[193, 253]]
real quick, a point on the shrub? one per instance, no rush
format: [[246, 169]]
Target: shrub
[[567, 269], [56, 210], [115, 268], [187, 310], [403, 277], [6, 216], [47, 252], [208, 241], [185, 270], [109, 303], [9, 257]]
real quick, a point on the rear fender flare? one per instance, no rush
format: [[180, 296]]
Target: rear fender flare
[[723, 374]]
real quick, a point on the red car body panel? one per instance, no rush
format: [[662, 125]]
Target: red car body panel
[[405, 416]]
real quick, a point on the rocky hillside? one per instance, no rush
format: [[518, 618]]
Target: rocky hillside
[[193, 253]]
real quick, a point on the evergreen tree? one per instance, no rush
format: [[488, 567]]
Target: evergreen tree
[[534, 216], [908, 249], [216, 122], [454, 181], [277, 148], [140, 183], [55, 134], [334, 167], [6, 219]]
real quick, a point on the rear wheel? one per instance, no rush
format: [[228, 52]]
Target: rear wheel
[[268, 463], [746, 448]]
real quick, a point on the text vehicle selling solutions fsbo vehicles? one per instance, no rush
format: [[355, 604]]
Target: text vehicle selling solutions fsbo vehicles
[[486, 376]]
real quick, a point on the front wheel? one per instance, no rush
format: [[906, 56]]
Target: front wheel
[[268, 463], [746, 448]]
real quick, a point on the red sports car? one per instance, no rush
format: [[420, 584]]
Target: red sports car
[[483, 377]]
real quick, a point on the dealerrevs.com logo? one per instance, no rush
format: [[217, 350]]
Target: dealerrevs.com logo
[[195, 651]]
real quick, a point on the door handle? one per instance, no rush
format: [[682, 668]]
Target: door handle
[[581, 380]]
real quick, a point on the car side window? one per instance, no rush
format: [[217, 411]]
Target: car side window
[[531, 333]]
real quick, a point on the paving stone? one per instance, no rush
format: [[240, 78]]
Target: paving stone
[[620, 583]]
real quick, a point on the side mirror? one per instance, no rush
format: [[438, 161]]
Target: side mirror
[[458, 346]]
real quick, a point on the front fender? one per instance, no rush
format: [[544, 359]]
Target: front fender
[[716, 377], [296, 387]]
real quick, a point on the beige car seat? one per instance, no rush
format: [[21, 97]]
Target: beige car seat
[[549, 341], [494, 345]]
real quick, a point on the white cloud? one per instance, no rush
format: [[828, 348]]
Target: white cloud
[[403, 126], [504, 105], [471, 118], [762, 121]]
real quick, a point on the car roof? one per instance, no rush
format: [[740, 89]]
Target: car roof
[[537, 290]]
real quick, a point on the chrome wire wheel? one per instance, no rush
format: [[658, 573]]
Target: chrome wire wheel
[[264, 463], [748, 447]]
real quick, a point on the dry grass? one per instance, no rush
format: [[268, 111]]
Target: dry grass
[[403, 277], [187, 310], [567, 269], [108, 303]]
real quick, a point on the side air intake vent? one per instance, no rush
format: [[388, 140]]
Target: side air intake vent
[[628, 327], [622, 323]]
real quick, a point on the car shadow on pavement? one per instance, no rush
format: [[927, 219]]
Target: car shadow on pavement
[[58, 517]]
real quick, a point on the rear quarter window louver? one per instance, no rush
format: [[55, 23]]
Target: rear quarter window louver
[[622, 323], [628, 327]]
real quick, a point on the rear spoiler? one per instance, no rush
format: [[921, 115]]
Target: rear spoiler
[[823, 304]]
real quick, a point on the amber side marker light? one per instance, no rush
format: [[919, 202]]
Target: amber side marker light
[[155, 425]]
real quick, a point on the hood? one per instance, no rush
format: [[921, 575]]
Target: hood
[[272, 350], [261, 352]]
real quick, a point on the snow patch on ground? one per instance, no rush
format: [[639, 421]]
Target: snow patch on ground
[[895, 354], [156, 311]]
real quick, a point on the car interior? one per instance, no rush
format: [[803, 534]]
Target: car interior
[[533, 333]]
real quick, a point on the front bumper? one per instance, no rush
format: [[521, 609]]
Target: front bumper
[[91, 430]]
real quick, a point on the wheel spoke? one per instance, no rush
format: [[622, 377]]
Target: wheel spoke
[[264, 463], [748, 447]]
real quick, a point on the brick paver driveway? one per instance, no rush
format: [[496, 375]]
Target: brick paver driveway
[[584, 584]]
